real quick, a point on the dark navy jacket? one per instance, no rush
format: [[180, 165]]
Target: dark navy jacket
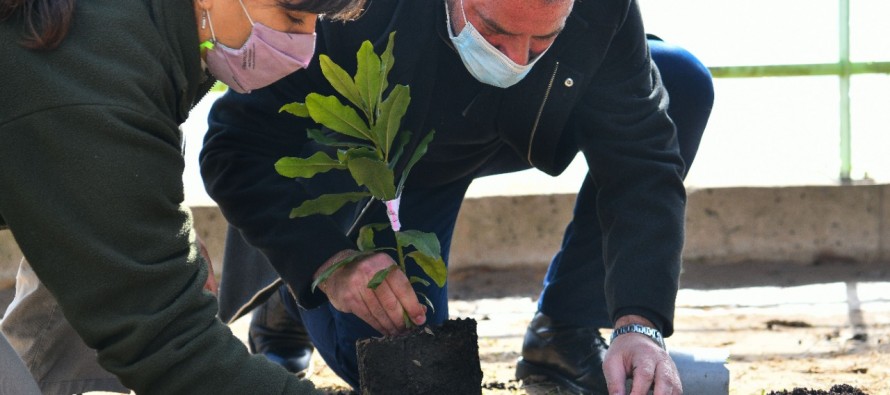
[[595, 90]]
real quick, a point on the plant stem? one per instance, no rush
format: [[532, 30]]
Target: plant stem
[[401, 255], [408, 323]]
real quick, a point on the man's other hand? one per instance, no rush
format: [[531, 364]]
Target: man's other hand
[[636, 356], [347, 289]]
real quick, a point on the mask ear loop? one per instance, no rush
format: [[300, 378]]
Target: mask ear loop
[[448, 18], [243, 7], [464, 13]]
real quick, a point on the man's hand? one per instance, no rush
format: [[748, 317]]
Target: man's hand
[[347, 289], [636, 355]]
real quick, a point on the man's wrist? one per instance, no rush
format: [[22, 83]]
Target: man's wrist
[[649, 331], [330, 262], [634, 319]]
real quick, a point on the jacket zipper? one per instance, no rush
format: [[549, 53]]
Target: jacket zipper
[[531, 138], [203, 89]]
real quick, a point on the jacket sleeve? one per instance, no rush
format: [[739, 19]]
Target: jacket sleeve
[[630, 145], [97, 210], [246, 136]]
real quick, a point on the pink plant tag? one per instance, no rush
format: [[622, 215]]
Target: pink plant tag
[[392, 210]]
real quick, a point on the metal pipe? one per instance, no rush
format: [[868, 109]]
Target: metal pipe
[[799, 70], [846, 150]]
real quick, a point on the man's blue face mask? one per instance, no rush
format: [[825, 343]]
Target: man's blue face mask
[[485, 62]]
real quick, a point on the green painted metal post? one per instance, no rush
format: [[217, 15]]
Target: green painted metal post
[[843, 69], [796, 70], [844, 60]]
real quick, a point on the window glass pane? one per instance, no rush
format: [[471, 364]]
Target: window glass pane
[[748, 32], [770, 131], [870, 138], [869, 30]]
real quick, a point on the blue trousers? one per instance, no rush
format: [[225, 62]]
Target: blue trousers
[[574, 285]]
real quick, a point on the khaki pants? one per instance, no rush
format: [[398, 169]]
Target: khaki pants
[[14, 376], [57, 358]]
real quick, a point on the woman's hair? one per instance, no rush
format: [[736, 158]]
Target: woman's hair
[[46, 21], [341, 10]]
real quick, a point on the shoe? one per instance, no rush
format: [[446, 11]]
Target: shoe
[[279, 336], [570, 356], [296, 360]]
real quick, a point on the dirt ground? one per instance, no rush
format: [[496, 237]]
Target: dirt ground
[[791, 339], [783, 326]]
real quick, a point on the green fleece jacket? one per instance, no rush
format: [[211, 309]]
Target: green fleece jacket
[[91, 188]]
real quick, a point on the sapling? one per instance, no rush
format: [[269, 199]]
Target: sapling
[[371, 145]]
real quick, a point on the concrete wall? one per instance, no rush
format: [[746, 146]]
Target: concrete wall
[[799, 225], [793, 224]]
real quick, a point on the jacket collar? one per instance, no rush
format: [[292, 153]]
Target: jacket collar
[[175, 21]]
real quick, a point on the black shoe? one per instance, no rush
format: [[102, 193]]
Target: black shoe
[[280, 337], [295, 360], [567, 355]]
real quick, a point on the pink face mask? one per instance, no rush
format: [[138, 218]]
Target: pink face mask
[[267, 56]]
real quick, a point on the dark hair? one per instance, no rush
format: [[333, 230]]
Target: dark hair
[[46, 22], [333, 9]]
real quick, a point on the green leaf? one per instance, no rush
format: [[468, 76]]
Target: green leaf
[[416, 280], [404, 138], [379, 277], [426, 243], [327, 204], [328, 111], [375, 175], [427, 301], [330, 270], [418, 152], [340, 81], [320, 137], [367, 76], [357, 152], [366, 236], [387, 61], [298, 109], [434, 268], [406, 320], [390, 116], [365, 240], [319, 162]]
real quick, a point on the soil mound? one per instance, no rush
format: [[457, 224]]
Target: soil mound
[[840, 389]]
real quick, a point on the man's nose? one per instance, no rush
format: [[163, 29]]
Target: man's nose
[[518, 50]]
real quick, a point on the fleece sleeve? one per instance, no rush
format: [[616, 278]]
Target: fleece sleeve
[[631, 149], [93, 196]]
